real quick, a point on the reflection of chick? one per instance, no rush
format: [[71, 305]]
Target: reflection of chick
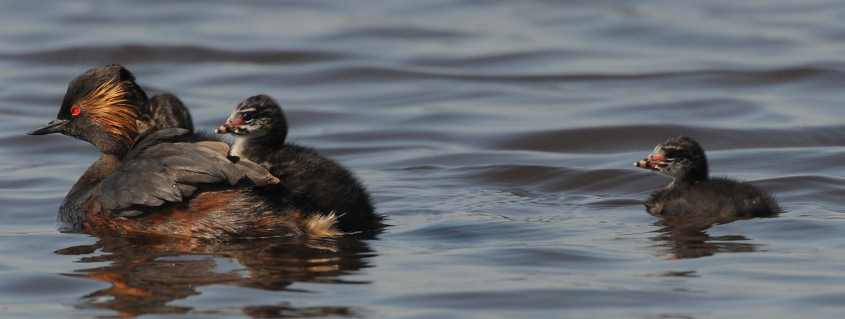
[[695, 198], [683, 243], [313, 181]]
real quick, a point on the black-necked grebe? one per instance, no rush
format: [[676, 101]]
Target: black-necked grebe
[[309, 179], [169, 182], [695, 198]]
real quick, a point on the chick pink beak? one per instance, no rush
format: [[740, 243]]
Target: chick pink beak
[[653, 161], [227, 127]]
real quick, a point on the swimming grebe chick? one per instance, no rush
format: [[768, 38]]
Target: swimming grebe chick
[[694, 197], [313, 181]]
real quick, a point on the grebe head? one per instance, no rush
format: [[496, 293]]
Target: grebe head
[[256, 116], [681, 158], [102, 106]]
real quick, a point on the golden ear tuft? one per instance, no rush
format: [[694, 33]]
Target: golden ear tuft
[[108, 107]]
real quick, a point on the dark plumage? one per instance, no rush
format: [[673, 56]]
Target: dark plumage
[[168, 166], [167, 182], [169, 112], [159, 112], [693, 197], [311, 180]]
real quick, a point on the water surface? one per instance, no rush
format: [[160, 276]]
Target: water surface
[[497, 136]]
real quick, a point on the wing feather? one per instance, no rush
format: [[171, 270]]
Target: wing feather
[[161, 170]]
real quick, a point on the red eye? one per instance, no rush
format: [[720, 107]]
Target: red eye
[[75, 111]]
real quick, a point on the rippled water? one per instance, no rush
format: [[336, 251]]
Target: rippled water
[[497, 136]]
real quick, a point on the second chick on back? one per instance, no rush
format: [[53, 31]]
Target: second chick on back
[[311, 180]]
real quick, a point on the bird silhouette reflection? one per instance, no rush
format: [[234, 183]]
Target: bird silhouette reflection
[[147, 275], [677, 242]]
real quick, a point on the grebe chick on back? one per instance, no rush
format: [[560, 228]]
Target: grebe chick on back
[[311, 180], [168, 182], [169, 112], [693, 197]]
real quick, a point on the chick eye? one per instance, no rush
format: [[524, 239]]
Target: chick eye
[[247, 116], [75, 111]]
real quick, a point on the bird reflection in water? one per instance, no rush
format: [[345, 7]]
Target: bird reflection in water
[[688, 238], [147, 275], [675, 242]]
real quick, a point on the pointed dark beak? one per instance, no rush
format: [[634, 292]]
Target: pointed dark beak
[[55, 126]]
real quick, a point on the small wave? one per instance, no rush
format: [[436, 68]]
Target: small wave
[[136, 54], [394, 32], [711, 78], [541, 257], [508, 58], [558, 179], [605, 139], [555, 299]]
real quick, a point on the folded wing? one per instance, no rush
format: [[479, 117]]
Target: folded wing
[[162, 169]]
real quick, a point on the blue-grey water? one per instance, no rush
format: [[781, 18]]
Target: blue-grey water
[[497, 136]]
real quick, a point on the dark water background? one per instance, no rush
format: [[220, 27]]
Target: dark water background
[[498, 137]]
